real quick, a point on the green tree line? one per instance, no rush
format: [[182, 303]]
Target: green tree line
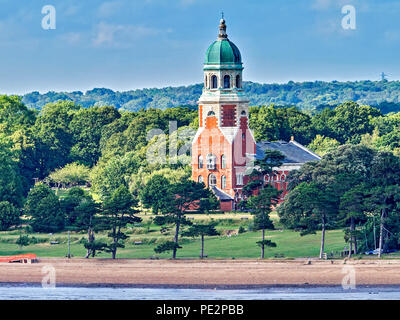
[[311, 96], [105, 149]]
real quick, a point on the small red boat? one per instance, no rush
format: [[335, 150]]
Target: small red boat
[[22, 258]]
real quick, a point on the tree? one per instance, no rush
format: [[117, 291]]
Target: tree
[[262, 205], [87, 219], [272, 159], [86, 127], [265, 243], [107, 176], [360, 181], [25, 155], [263, 196], [9, 215], [119, 211], [72, 174], [347, 122], [381, 199], [167, 246], [43, 207], [180, 198], [323, 145], [209, 204], [153, 194], [352, 207], [309, 207], [390, 141], [10, 179], [82, 214], [53, 137], [134, 136], [334, 175], [23, 241], [14, 115], [384, 195], [280, 123], [202, 230]]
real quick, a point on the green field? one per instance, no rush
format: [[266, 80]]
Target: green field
[[289, 243]]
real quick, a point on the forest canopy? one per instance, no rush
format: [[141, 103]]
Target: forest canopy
[[311, 96]]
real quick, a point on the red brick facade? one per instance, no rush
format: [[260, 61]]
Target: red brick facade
[[224, 146], [219, 158]]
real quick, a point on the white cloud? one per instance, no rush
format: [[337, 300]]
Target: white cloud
[[391, 36], [321, 4], [72, 38], [121, 35], [187, 2], [71, 10], [109, 8]]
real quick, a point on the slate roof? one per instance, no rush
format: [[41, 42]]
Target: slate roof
[[221, 195], [293, 151]]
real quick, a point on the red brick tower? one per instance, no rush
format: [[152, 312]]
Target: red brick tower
[[224, 145]]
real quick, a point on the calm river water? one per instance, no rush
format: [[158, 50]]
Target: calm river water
[[32, 292]]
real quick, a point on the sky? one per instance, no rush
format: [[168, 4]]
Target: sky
[[131, 44]]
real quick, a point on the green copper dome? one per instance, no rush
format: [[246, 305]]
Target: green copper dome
[[223, 51]]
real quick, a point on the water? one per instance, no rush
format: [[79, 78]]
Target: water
[[33, 292]]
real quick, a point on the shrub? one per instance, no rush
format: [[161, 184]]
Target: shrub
[[166, 246], [22, 241], [241, 230]]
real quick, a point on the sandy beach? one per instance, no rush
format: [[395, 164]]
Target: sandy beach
[[195, 273]]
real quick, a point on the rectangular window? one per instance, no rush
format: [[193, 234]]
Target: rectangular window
[[223, 162], [239, 179], [223, 182]]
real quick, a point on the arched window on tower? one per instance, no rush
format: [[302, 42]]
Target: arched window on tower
[[243, 113], [238, 82], [223, 182], [200, 179], [227, 82], [212, 180], [200, 162], [214, 82], [210, 113]]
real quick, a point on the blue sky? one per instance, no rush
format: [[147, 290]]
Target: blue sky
[[129, 44]]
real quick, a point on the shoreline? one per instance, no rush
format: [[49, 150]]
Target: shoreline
[[205, 274], [198, 286]]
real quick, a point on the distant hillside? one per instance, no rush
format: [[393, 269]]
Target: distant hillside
[[304, 95]]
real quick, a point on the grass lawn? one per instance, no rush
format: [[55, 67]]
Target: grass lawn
[[289, 243]]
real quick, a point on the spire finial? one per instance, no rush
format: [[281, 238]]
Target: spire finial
[[222, 28]]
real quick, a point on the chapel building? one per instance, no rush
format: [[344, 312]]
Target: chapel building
[[224, 148]]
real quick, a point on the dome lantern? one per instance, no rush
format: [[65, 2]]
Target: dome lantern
[[222, 30]]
